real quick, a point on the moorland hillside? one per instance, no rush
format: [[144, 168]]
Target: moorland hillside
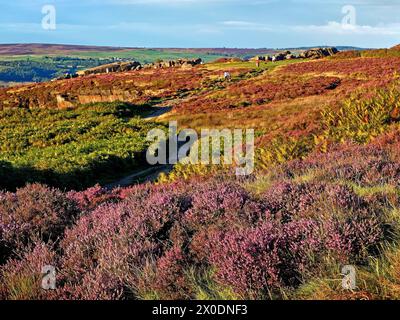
[[325, 192]]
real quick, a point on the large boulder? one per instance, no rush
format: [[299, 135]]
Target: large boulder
[[290, 56], [282, 56], [258, 58], [194, 62], [319, 53]]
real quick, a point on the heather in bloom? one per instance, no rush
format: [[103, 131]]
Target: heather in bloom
[[93, 197], [168, 276], [148, 241], [222, 203], [33, 213], [256, 261], [20, 279], [354, 238]]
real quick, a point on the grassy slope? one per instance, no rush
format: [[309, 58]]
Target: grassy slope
[[72, 149]]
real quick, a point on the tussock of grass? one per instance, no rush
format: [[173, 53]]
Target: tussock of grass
[[307, 177], [386, 189], [205, 288], [260, 184]]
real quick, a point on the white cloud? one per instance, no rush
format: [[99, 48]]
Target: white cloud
[[346, 29], [331, 28]]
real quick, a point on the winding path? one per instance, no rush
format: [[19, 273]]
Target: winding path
[[148, 174]]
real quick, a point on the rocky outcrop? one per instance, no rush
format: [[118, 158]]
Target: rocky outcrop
[[319, 53], [281, 56], [316, 53], [134, 65], [63, 102], [227, 60], [290, 56], [183, 63], [112, 67]]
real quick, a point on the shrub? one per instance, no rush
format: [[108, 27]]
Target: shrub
[[34, 213], [21, 279], [222, 204], [167, 278], [147, 241], [93, 197], [255, 262]]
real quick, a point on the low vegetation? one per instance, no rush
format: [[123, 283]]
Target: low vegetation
[[71, 148], [214, 238]]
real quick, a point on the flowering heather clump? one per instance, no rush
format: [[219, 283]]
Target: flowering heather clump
[[21, 279], [247, 259], [355, 237], [34, 213], [96, 285], [216, 203], [257, 260], [169, 278], [289, 200], [367, 165], [93, 197], [115, 240]]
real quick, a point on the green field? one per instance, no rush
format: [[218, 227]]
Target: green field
[[146, 55], [38, 68]]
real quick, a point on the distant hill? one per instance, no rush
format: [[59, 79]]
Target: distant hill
[[396, 47], [21, 63], [39, 49], [33, 48], [340, 48]]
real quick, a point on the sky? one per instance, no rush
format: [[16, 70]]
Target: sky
[[202, 23]]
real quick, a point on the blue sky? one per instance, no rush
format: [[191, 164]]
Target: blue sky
[[204, 23]]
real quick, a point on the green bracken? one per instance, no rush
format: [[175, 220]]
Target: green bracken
[[71, 148]]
